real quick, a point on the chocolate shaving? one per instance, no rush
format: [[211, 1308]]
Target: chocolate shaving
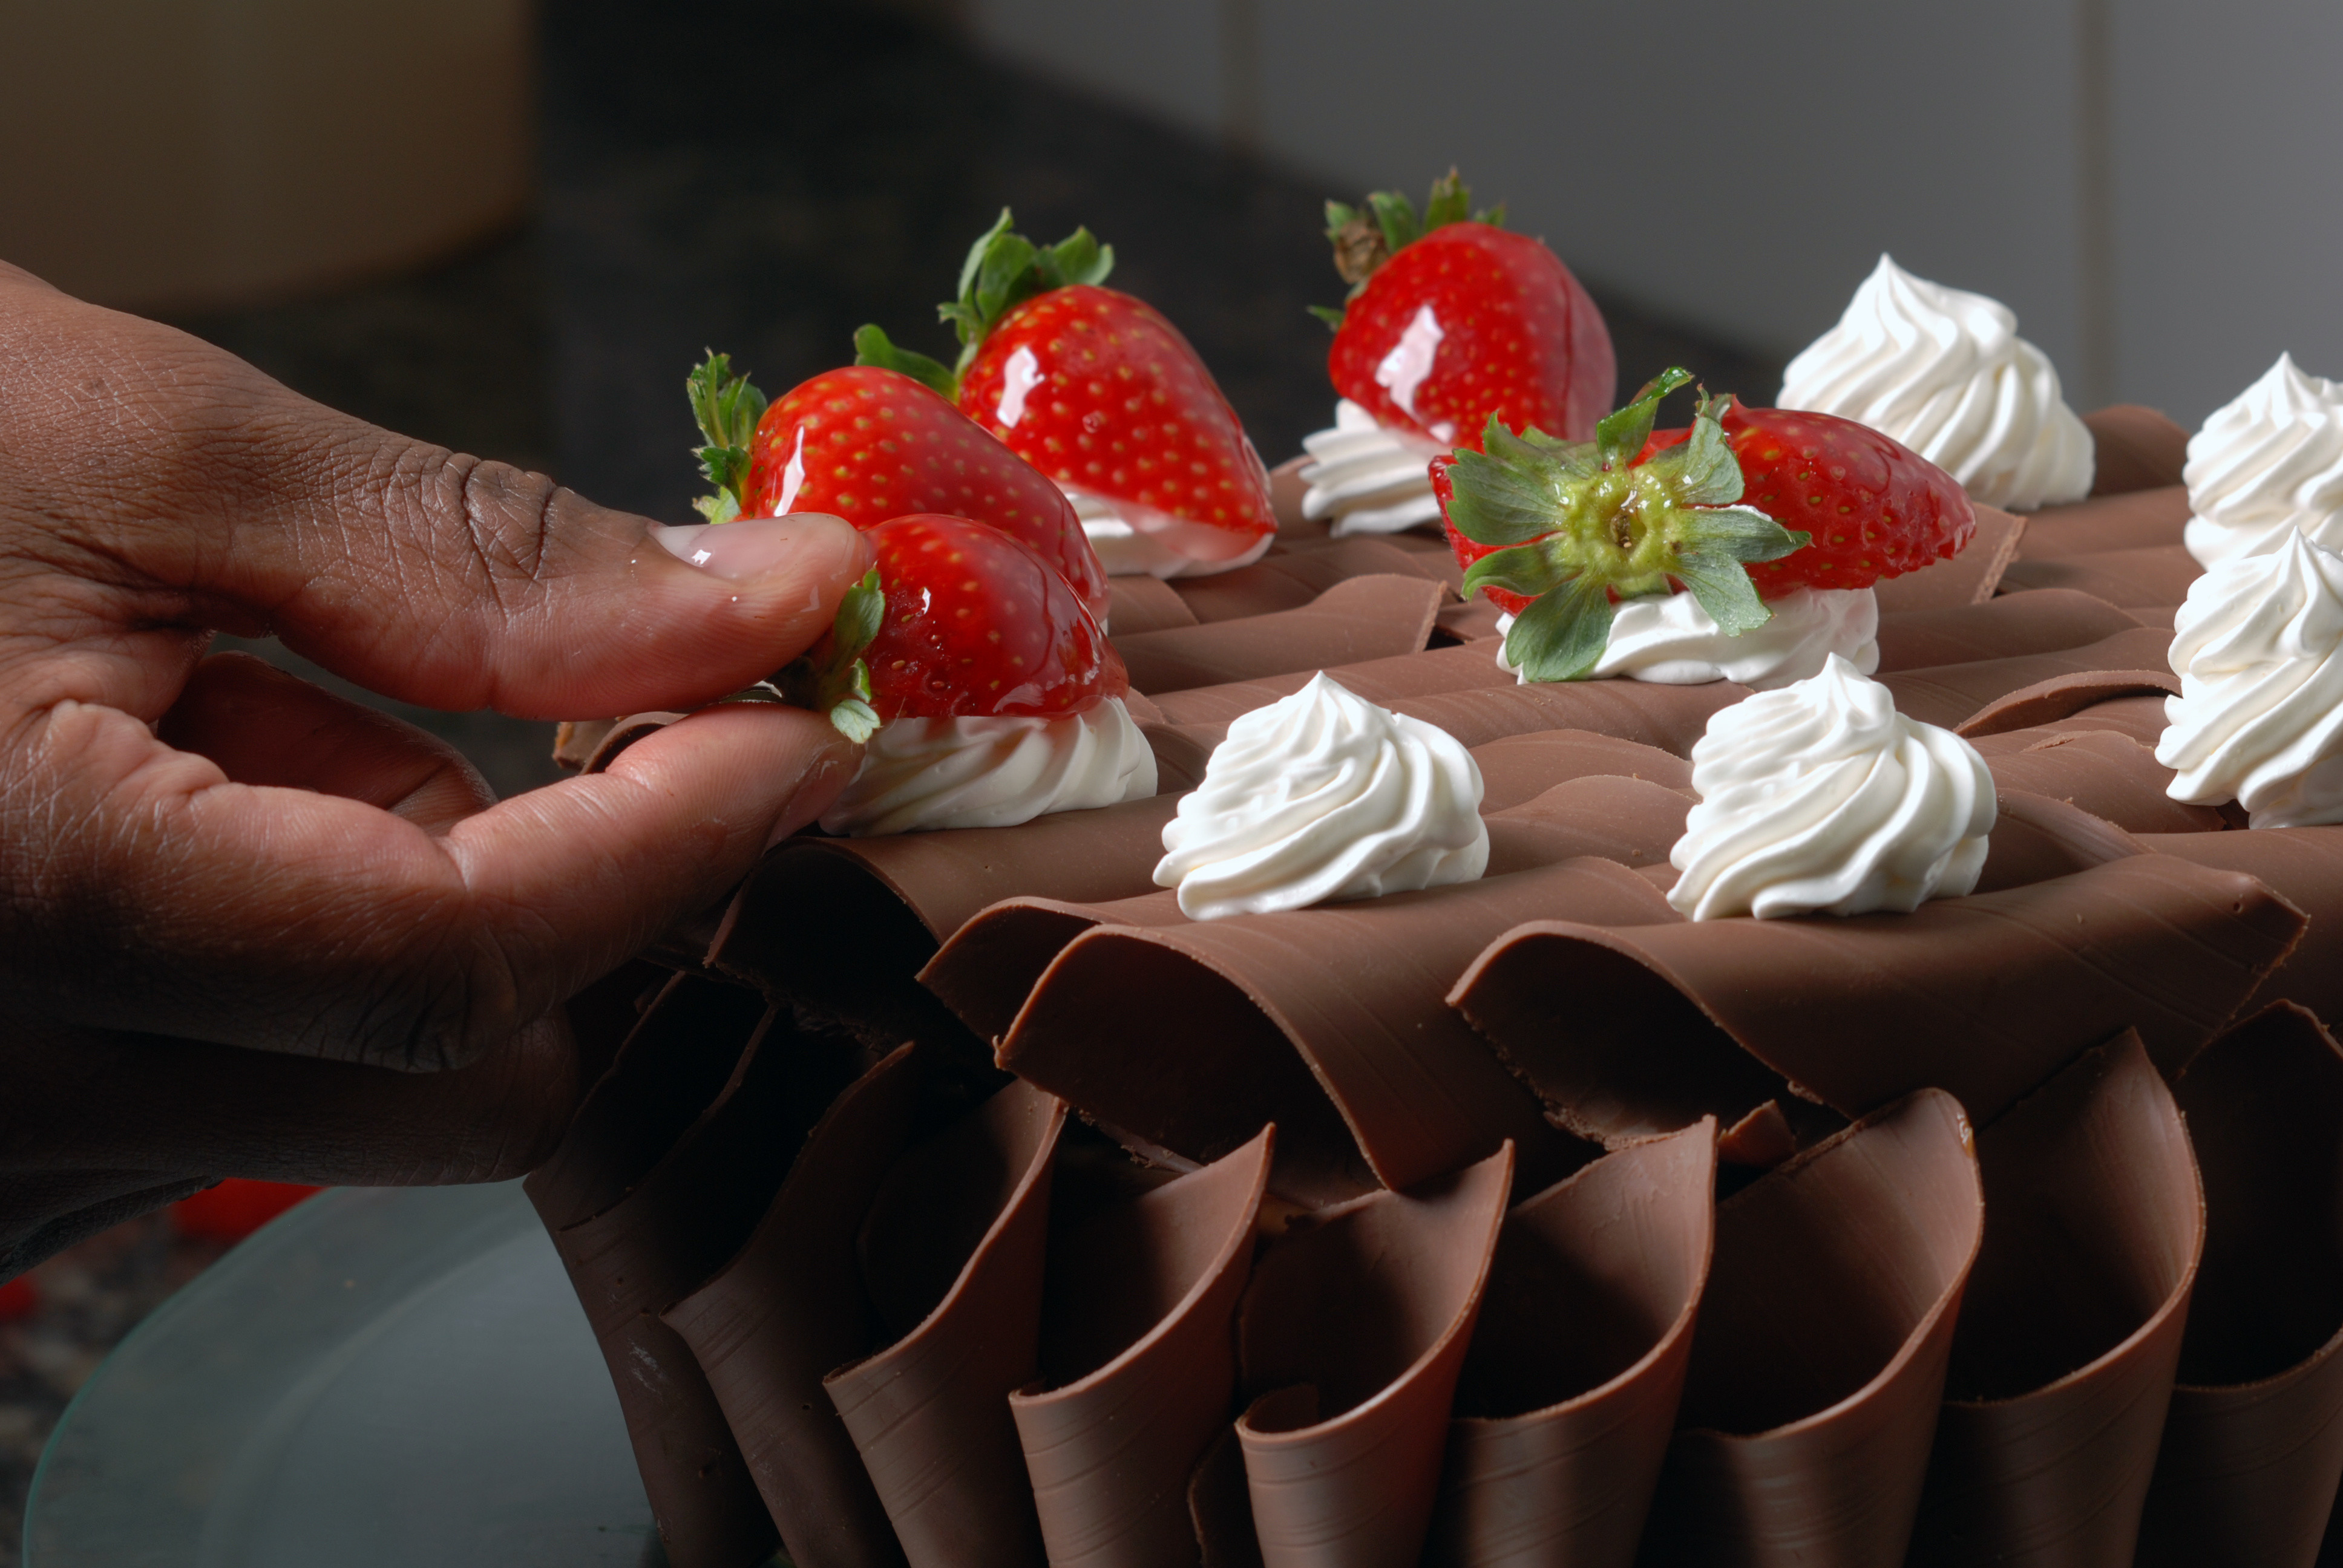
[[2305, 866], [2063, 1361], [576, 739], [2144, 519], [2156, 575], [952, 1257], [2036, 839], [621, 734], [1376, 680], [1293, 580], [1327, 1021], [1951, 694], [1986, 996], [1472, 620], [1361, 618], [2128, 702], [1820, 1356], [1671, 718], [1351, 1338], [2137, 449], [1571, 1386], [2048, 622], [2253, 1444], [1519, 768], [2106, 774], [1629, 820], [1139, 1334], [1969, 578], [1143, 604]]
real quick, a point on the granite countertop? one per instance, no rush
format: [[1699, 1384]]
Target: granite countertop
[[678, 213]]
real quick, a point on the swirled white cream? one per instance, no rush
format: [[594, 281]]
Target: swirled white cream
[[1371, 478], [1321, 796], [1821, 796], [2259, 718], [1672, 641], [921, 774], [1134, 541], [2265, 465], [1944, 372]]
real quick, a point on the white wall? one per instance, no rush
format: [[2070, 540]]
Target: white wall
[[1740, 168]]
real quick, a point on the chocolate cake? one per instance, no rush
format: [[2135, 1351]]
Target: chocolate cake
[[957, 1200]]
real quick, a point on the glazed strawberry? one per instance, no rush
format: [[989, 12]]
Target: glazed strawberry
[[867, 443], [1097, 390], [977, 625], [1455, 321]]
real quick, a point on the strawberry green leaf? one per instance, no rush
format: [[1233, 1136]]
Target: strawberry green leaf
[[1563, 635], [1396, 214], [1622, 434], [854, 719], [719, 508], [1494, 216], [1331, 315], [872, 347], [859, 614], [1077, 259], [1743, 534], [1522, 569], [1707, 473], [1450, 202], [977, 252], [1340, 215], [726, 408], [1722, 586], [1514, 489]]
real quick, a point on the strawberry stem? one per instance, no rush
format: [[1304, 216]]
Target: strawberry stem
[[1364, 240], [832, 679], [727, 407], [1003, 270]]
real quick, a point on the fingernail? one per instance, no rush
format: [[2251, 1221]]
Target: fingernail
[[824, 779], [804, 543]]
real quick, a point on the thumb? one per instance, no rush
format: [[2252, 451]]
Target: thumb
[[174, 474]]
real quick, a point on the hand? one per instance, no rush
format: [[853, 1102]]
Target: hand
[[248, 928]]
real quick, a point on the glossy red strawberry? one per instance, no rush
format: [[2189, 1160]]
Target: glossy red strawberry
[[1457, 321], [867, 443], [1097, 390], [978, 625]]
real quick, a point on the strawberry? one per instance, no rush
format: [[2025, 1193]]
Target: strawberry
[[1557, 532], [867, 445], [1097, 390], [1455, 322], [971, 623]]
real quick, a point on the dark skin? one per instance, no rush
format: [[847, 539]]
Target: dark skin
[[248, 928]]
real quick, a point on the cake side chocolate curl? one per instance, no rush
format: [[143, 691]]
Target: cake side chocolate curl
[[1559, 1431], [1947, 694], [1351, 1341], [1819, 1360], [2063, 1360], [2305, 865], [1460, 669], [1363, 619], [2106, 774], [2253, 1444], [2142, 520], [1288, 579], [1986, 996], [2047, 622], [2154, 575], [2137, 447], [2037, 839]]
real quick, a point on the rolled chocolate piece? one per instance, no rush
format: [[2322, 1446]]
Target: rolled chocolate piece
[[2253, 1444], [1139, 1345], [952, 1255], [1382, 680], [2305, 866], [1361, 618], [2106, 774], [2063, 1361], [628, 1165], [1820, 1355], [1328, 1022], [1948, 694], [2047, 621], [1571, 1386], [1469, 621], [1290, 579], [1519, 768], [1671, 718], [617, 737], [575, 740], [2136, 520], [1352, 1335], [2135, 448], [2036, 839], [2154, 575], [1627, 1030], [2129, 702], [1971, 577], [1631, 820], [788, 1309], [1142, 604]]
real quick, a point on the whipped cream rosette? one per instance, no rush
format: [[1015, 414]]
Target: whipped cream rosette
[[2259, 718], [1944, 372], [1323, 796], [920, 774], [2265, 465], [1822, 797], [1369, 477], [1669, 638]]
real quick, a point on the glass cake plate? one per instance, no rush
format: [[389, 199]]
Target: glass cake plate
[[382, 1378]]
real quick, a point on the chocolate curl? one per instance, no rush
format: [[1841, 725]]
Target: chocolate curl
[[1570, 1389], [1327, 1021], [2036, 839], [2128, 702], [2141, 519], [1519, 768], [789, 1308], [952, 1257], [1969, 578], [619, 735], [1380, 680], [1629, 1030], [1290, 580], [2138, 448], [2106, 774], [1670, 718], [1471, 621], [575, 740], [2253, 1445], [618, 1196], [2047, 622], [1820, 1356], [1629, 820], [1286, 489], [1359, 1325], [1143, 604], [1948, 694], [1367, 618], [985, 972], [1140, 1333], [2063, 1361], [2156, 575], [2305, 866]]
